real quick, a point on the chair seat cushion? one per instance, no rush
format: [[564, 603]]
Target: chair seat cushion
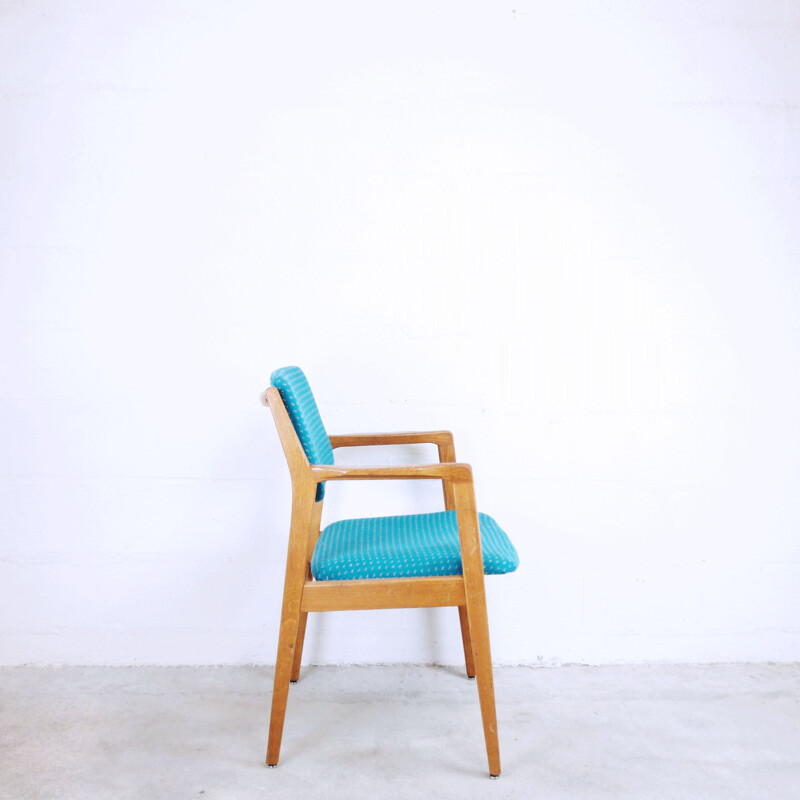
[[416, 545]]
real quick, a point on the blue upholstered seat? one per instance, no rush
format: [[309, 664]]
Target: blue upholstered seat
[[382, 547], [406, 547]]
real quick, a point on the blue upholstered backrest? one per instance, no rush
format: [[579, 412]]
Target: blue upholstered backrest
[[293, 386]]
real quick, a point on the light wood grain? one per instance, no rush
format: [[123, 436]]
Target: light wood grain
[[313, 535], [454, 473], [302, 512], [383, 593], [466, 640], [371, 439], [472, 562]]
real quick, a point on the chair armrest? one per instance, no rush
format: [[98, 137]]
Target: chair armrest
[[412, 437], [453, 472]]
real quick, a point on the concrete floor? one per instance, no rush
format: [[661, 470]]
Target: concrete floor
[[730, 731]]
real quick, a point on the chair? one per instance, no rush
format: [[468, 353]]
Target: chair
[[415, 561]]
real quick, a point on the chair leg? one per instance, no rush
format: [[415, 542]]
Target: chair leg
[[298, 647], [290, 626], [301, 635], [467, 640], [280, 690], [479, 628], [478, 620], [313, 535]]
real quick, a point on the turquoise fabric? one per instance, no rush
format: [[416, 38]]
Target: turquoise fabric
[[405, 547], [293, 386]]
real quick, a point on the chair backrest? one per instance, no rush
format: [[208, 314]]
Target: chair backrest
[[296, 394]]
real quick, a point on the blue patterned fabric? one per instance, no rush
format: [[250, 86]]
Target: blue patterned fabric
[[418, 545], [293, 386]]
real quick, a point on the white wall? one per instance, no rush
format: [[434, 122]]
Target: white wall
[[567, 231]]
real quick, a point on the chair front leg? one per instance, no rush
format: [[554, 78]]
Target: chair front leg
[[447, 454], [290, 619], [477, 617]]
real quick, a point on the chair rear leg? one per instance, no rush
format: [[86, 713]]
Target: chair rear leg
[[290, 626], [313, 535], [467, 640], [298, 647], [301, 635], [280, 690]]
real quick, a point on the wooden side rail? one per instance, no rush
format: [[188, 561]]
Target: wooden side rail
[[360, 595]]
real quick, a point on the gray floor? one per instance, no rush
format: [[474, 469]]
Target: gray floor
[[730, 731]]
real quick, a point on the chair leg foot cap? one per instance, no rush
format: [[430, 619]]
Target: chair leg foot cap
[[470, 677], [292, 681], [272, 766], [494, 777]]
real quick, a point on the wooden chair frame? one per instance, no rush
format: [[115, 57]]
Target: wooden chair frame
[[302, 594]]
